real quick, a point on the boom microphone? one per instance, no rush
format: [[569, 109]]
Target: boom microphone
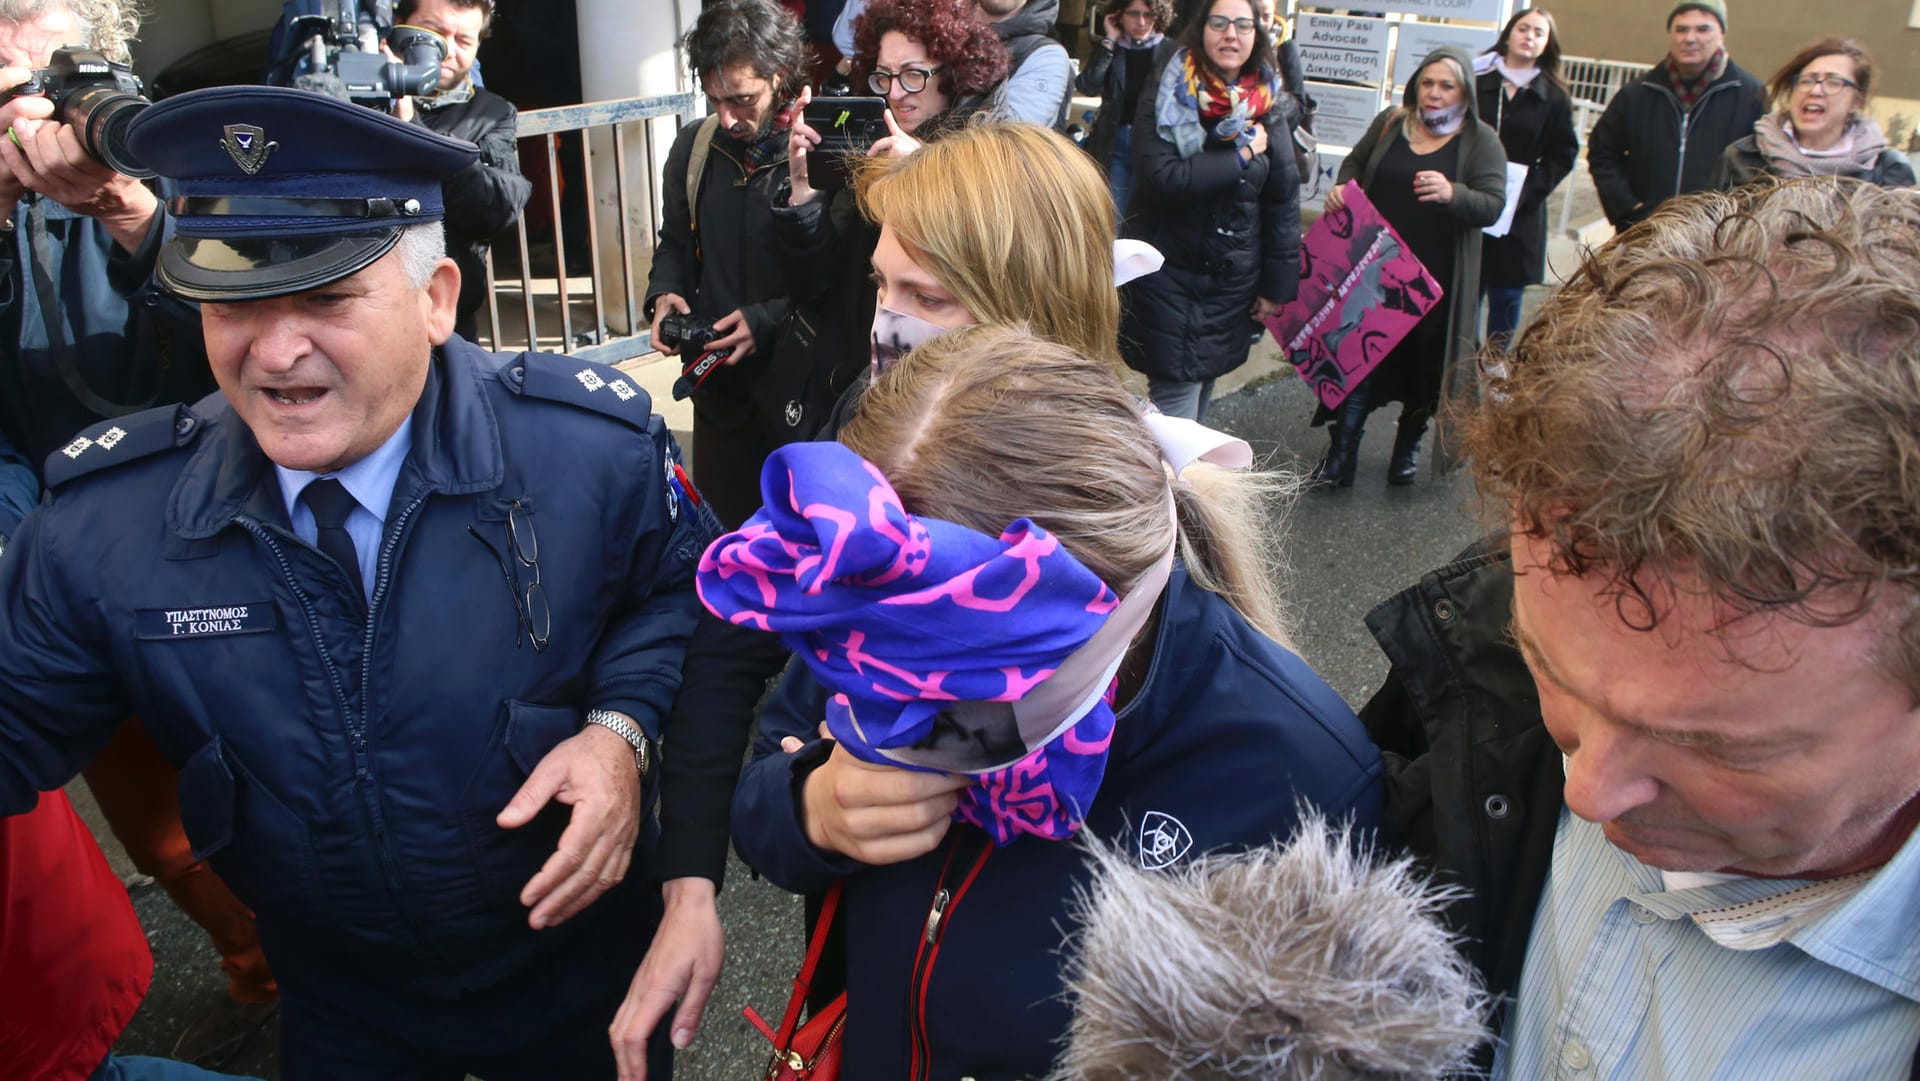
[[1297, 962]]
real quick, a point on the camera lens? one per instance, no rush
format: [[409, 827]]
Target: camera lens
[[100, 115]]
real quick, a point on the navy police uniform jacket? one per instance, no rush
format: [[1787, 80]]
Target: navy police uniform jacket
[[1227, 736], [341, 762]]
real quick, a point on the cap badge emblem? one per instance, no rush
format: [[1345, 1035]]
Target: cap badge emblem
[[248, 147]]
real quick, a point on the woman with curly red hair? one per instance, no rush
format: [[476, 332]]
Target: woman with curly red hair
[[939, 65]]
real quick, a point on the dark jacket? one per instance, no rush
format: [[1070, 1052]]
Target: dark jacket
[[1474, 780], [1744, 162], [19, 486], [488, 195], [1230, 232], [729, 258], [1106, 76], [90, 336], [1479, 195], [1644, 150], [1227, 733], [1536, 127], [341, 764]]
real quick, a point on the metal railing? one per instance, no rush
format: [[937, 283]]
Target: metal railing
[[1596, 81], [547, 126]]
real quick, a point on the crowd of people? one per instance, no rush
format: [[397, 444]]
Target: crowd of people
[[434, 682]]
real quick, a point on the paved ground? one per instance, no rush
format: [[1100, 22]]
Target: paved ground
[[1348, 550]]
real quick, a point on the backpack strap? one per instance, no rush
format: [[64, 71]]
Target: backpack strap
[[697, 166]]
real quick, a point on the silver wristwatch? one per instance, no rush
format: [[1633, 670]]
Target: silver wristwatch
[[627, 730]]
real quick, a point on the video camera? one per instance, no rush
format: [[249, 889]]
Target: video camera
[[341, 64], [96, 97]]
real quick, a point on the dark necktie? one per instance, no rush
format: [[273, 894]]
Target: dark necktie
[[331, 503]]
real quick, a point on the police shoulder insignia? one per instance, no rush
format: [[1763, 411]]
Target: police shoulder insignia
[[123, 439], [585, 384]]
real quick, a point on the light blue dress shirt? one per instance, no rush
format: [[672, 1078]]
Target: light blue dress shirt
[[1797, 980], [370, 482]]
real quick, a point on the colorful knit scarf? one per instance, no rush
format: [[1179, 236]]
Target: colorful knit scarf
[[925, 631], [1689, 91], [1193, 102], [771, 144]]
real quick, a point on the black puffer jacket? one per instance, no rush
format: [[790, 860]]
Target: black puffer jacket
[[1644, 150], [1229, 233]]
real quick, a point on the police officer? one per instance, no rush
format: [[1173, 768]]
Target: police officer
[[387, 606]]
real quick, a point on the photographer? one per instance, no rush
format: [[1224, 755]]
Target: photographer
[[716, 259], [89, 338], [488, 196]]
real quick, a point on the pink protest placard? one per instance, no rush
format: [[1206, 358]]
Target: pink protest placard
[[1361, 291]]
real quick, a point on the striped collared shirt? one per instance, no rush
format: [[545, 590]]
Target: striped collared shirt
[[1731, 979]]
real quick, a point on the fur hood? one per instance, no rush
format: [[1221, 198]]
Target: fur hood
[[1302, 962]]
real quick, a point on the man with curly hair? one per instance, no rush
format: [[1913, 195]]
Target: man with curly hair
[[90, 338], [716, 257], [1664, 729]]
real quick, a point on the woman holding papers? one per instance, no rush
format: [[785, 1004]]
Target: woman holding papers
[[1439, 176], [1524, 98]]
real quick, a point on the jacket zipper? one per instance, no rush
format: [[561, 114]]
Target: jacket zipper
[[356, 726], [1686, 127], [955, 879]]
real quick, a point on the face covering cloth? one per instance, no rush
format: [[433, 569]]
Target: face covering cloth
[[943, 648]]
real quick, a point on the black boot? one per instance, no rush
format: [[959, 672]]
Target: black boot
[[1404, 467], [1343, 444]]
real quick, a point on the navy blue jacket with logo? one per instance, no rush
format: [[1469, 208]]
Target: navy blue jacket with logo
[[341, 765], [1227, 734]]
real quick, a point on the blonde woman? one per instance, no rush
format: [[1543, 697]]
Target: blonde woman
[[939, 570]]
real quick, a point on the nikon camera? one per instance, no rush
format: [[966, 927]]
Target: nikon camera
[[96, 97]]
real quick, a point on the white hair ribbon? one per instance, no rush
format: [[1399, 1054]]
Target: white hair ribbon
[[1134, 259], [1183, 442]]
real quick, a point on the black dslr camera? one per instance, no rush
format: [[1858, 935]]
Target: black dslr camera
[[337, 64], [96, 97], [691, 335], [687, 333]]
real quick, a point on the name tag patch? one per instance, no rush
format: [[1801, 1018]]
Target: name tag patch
[[210, 621]]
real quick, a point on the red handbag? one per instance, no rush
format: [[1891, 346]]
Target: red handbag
[[809, 1052]]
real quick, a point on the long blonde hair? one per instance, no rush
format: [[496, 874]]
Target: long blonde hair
[[989, 424], [1016, 222]]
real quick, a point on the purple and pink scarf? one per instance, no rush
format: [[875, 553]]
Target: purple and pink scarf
[[924, 632]]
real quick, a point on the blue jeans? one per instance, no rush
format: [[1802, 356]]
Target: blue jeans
[[1120, 169], [1503, 314], [142, 1068], [1178, 399]]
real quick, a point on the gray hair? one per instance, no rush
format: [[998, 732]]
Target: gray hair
[[420, 249], [107, 25]]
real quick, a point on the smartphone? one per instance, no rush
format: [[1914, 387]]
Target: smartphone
[[847, 127]]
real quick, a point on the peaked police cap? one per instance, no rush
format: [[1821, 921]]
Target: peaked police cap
[[279, 190]]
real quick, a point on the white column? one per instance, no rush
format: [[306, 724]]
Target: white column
[[629, 48]]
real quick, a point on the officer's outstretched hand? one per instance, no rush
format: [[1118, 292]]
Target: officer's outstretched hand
[[592, 772], [681, 966]]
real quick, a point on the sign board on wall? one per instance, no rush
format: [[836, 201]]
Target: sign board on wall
[[1342, 49], [1419, 39], [1485, 11], [1345, 112]]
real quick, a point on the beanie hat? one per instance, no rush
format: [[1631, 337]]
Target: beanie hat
[[1715, 8]]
